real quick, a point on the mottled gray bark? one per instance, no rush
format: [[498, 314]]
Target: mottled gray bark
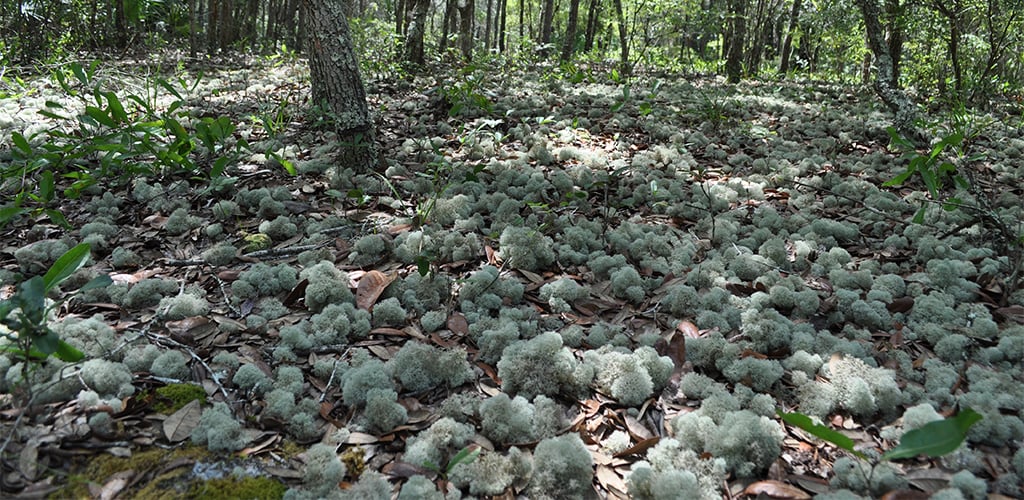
[[336, 83], [737, 23], [897, 101], [416, 27]]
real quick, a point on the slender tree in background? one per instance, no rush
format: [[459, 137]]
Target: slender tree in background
[[336, 83], [787, 44], [415, 30], [737, 32], [570, 30], [547, 17], [466, 13], [885, 71], [620, 17]]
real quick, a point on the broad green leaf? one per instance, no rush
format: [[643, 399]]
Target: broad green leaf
[[57, 217], [8, 214], [115, 107], [820, 431], [99, 115], [288, 166], [80, 73], [67, 352], [100, 281], [168, 87], [66, 264], [46, 186], [919, 216], [952, 204], [935, 439], [21, 143], [465, 455], [47, 344]]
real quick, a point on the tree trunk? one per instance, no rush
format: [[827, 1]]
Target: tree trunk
[[787, 45], [415, 29], [737, 32], [502, 13], [891, 95], [466, 13], [336, 84], [546, 18], [446, 26], [952, 15], [593, 19], [624, 67], [894, 37], [487, 25], [570, 30]]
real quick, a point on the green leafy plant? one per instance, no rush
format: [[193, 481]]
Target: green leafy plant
[[933, 439], [111, 138], [933, 169], [465, 455], [26, 313]]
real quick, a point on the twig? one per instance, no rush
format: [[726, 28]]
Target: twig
[[284, 252]]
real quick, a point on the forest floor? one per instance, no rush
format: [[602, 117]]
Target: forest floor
[[741, 232]]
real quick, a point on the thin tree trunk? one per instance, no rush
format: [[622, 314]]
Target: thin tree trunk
[[787, 45], [446, 24], [336, 84], [736, 35], [466, 12], [891, 95], [487, 25], [502, 15], [414, 52], [593, 19], [546, 18], [624, 67], [570, 30]]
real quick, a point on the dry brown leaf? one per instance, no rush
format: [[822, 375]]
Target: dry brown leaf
[[116, 484], [776, 489], [179, 425], [370, 286], [28, 460], [457, 323], [361, 438], [611, 480], [902, 304], [905, 494], [688, 329], [1012, 313], [638, 448]]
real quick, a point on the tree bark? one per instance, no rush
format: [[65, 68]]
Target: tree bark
[[787, 45], [466, 12], [737, 33], [415, 29], [547, 17], [891, 95], [336, 83], [624, 67], [593, 19], [570, 30]]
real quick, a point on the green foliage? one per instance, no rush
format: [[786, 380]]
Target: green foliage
[[113, 138], [931, 167], [26, 314], [465, 456], [933, 439]]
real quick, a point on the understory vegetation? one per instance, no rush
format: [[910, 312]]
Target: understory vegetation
[[558, 287]]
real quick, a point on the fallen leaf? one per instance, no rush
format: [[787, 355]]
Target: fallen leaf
[[180, 424], [370, 287], [1012, 313], [638, 448], [28, 460], [457, 323], [776, 489], [611, 480], [902, 304], [116, 484], [905, 494]]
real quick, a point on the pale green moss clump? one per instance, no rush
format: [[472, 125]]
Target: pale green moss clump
[[491, 473], [672, 471], [421, 367], [630, 378], [561, 293], [262, 280], [526, 248], [327, 285], [542, 365], [218, 430], [515, 420], [562, 468]]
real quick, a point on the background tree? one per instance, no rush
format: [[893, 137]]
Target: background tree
[[336, 83], [885, 69]]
